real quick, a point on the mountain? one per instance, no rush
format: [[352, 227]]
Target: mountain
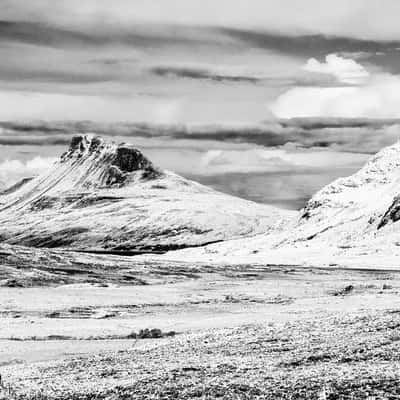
[[357, 207], [354, 220], [106, 196]]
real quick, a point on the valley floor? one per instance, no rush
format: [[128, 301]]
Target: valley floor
[[233, 332]]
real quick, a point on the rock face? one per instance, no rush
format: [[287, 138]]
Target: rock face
[[104, 196], [392, 214]]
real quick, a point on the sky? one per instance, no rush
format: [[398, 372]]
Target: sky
[[242, 91]]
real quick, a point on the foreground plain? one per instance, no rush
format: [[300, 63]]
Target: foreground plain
[[228, 332]]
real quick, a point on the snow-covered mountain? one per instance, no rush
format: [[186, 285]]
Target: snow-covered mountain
[[104, 196], [352, 220], [356, 207]]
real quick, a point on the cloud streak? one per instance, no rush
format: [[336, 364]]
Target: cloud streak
[[309, 45], [358, 18], [349, 135], [138, 36], [196, 73]]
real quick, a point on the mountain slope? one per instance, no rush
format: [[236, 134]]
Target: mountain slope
[[356, 207], [352, 220], [105, 196]]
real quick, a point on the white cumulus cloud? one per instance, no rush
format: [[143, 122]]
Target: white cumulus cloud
[[345, 70], [374, 95], [11, 171]]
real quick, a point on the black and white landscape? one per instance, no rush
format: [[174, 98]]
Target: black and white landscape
[[199, 199]]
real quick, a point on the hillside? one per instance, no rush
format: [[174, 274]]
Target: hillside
[[353, 220], [107, 196]]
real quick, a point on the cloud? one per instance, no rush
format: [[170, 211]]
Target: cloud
[[273, 160], [106, 55], [197, 73], [102, 51], [239, 74], [11, 171], [344, 69], [243, 161], [310, 45], [69, 77], [54, 106], [361, 135], [380, 98], [44, 35], [375, 95], [138, 35], [44, 67], [358, 18]]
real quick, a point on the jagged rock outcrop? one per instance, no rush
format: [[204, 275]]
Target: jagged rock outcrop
[[108, 164], [392, 214], [105, 196]]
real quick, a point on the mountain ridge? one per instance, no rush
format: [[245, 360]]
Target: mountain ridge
[[106, 196]]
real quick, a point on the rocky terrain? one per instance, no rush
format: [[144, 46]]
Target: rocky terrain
[[252, 362], [243, 332], [109, 197]]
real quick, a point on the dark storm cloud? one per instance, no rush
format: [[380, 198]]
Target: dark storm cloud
[[355, 135]]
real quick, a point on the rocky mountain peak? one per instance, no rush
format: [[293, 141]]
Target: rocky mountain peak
[[107, 163], [82, 143]]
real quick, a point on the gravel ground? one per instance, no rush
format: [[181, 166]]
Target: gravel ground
[[242, 332], [337, 356]]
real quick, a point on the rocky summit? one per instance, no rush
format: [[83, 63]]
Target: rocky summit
[[103, 196], [111, 164]]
